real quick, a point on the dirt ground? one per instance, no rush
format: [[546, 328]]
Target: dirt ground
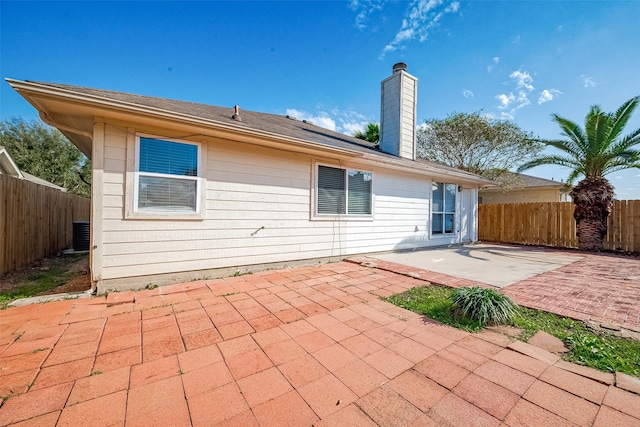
[[79, 270]]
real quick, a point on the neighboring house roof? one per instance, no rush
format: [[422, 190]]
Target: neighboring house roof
[[77, 123], [40, 181], [520, 181], [8, 167]]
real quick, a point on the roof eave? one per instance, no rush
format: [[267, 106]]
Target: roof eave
[[31, 90], [35, 93]]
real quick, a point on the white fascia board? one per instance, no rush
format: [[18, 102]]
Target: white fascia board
[[8, 164], [431, 171]]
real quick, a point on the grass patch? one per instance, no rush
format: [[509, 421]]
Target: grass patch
[[601, 351], [433, 302], [33, 282]]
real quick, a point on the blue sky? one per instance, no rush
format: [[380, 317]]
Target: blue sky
[[323, 61]]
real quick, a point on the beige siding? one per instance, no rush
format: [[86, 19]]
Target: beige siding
[[521, 196], [257, 210]]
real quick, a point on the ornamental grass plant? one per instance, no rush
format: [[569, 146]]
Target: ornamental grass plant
[[483, 305]]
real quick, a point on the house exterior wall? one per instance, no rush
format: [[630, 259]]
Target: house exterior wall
[[530, 195], [257, 210]]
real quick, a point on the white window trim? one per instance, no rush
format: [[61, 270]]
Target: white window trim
[[315, 216], [456, 214], [133, 176]]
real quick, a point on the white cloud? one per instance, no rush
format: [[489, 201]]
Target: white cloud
[[321, 119], [523, 80], [506, 116], [495, 61], [423, 16], [522, 99], [523, 85], [337, 120], [467, 93], [353, 127], [548, 95], [364, 9], [505, 99], [587, 81]]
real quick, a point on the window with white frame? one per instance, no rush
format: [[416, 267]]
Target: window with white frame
[[167, 176], [443, 207], [343, 191]]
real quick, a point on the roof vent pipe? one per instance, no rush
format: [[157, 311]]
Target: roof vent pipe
[[236, 113]]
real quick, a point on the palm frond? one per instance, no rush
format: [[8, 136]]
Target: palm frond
[[550, 160], [595, 150], [574, 175], [620, 118], [627, 142], [621, 166], [596, 128], [571, 130], [567, 145]]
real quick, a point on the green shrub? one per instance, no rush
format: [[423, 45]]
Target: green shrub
[[486, 306]]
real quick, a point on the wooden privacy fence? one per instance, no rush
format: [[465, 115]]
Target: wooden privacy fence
[[35, 221], [552, 224]]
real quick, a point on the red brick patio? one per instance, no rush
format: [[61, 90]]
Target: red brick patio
[[603, 288], [300, 347]]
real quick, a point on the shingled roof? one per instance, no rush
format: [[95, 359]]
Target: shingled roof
[[520, 180], [251, 122], [265, 122]]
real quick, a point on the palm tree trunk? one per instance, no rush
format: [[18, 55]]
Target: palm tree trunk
[[590, 233], [593, 197]]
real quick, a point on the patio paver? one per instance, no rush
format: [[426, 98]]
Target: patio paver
[[198, 354]]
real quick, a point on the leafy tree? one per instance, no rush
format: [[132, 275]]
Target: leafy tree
[[476, 143], [44, 152], [371, 133], [593, 152]]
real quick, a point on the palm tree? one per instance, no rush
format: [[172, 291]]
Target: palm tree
[[371, 134], [593, 152]]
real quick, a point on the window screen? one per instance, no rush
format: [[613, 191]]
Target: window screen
[[359, 192], [167, 176], [167, 157], [342, 191]]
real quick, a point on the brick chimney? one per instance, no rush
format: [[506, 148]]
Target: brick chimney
[[398, 113]]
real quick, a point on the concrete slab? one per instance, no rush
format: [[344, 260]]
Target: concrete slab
[[494, 265]]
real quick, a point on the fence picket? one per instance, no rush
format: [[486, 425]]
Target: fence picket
[[552, 224], [35, 221]]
